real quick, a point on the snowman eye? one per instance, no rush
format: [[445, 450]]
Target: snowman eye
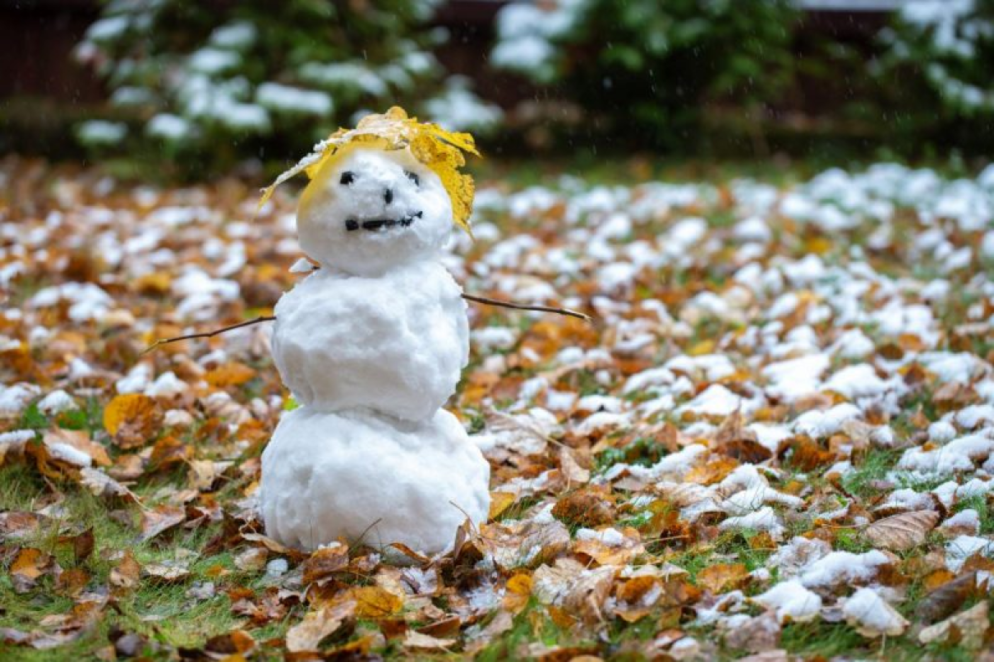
[[347, 178], [413, 177]]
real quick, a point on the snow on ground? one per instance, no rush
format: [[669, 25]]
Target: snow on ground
[[805, 369]]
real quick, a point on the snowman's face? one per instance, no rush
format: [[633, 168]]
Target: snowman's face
[[372, 210]]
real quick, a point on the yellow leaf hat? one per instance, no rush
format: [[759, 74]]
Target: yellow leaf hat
[[438, 149]]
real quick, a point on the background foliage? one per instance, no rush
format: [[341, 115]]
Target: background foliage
[[219, 81]]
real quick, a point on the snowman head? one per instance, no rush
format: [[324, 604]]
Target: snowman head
[[371, 210], [382, 194]]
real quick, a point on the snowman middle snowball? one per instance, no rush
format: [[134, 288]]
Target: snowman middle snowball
[[372, 345]]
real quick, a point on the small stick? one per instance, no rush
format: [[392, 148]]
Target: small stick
[[521, 306], [208, 334], [269, 318]]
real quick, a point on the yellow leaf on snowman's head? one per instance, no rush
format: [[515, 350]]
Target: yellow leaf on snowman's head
[[438, 149]]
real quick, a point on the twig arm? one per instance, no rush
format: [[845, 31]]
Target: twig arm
[[269, 318], [520, 306], [209, 334]]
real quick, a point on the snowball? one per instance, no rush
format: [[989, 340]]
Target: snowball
[[395, 344], [791, 600], [393, 188], [358, 475]]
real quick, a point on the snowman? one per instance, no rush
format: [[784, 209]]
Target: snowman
[[371, 345]]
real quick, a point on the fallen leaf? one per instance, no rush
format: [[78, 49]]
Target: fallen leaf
[[131, 419], [374, 602], [414, 639], [167, 572], [945, 599], [317, 625], [127, 572], [872, 616], [252, 559], [160, 519], [903, 531], [28, 566], [230, 374], [499, 502], [968, 628], [721, 576], [324, 562]]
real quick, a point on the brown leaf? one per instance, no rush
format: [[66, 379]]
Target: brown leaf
[[16, 524], [28, 566], [721, 576], [414, 639], [902, 531], [103, 485], [79, 440], [168, 572], [808, 455], [159, 519], [571, 468], [944, 600], [586, 507], [324, 562], [252, 559], [132, 419], [82, 545], [737, 442], [317, 625], [967, 628], [230, 374], [374, 602], [127, 572]]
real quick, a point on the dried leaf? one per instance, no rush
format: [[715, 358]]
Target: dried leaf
[[229, 374], [722, 576], [967, 629], [160, 519], [414, 639], [374, 602], [317, 625], [28, 566], [324, 562], [127, 572], [131, 419], [945, 599], [903, 531]]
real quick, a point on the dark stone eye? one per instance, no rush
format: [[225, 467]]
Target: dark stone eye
[[347, 178], [413, 177]]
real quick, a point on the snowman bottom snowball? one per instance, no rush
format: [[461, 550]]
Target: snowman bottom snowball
[[371, 479]]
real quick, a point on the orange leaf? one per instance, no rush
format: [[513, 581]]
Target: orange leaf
[[230, 374], [499, 502], [717, 578], [374, 602]]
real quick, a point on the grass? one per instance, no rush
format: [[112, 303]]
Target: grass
[[163, 612]]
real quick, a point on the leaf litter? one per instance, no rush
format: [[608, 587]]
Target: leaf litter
[[780, 423]]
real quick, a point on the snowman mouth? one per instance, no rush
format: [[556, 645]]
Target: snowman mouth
[[375, 224]]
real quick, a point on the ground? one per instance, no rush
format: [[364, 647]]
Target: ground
[[775, 437]]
